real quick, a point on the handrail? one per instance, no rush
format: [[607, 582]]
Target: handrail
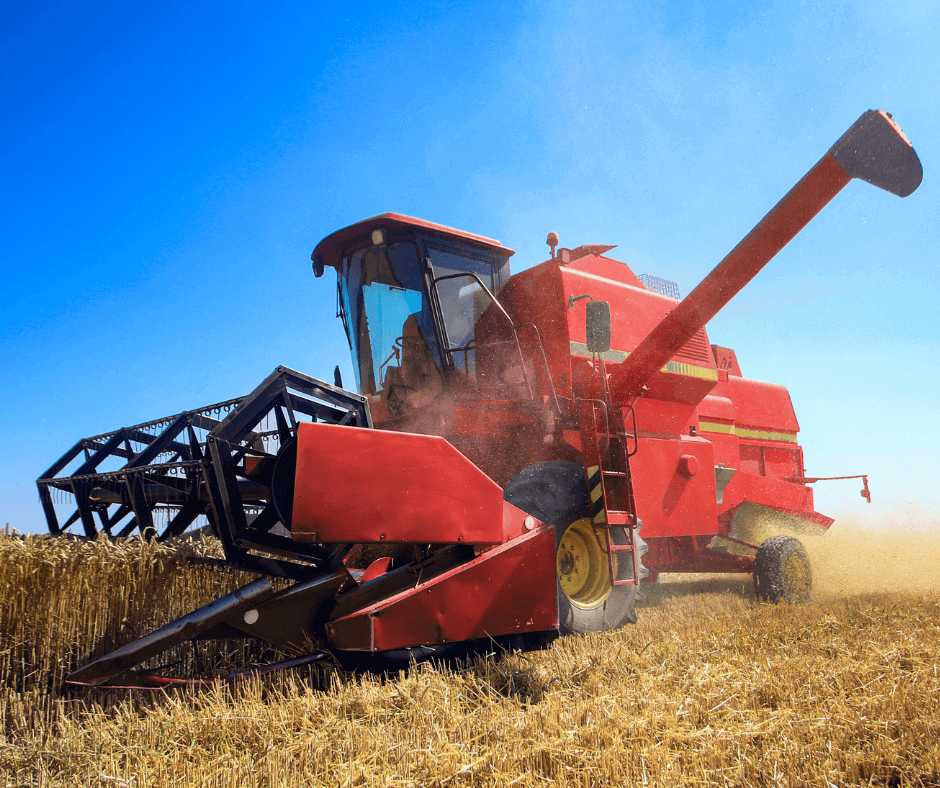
[[450, 351]]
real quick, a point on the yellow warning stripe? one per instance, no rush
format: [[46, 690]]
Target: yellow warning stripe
[[674, 367], [744, 432], [581, 349], [713, 426], [690, 370], [597, 494], [766, 435]]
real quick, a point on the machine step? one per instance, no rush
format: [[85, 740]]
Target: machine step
[[621, 548], [610, 486], [618, 519], [612, 548]]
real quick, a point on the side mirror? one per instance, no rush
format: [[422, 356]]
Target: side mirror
[[318, 266], [597, 326]]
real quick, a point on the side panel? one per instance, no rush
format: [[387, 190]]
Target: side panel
[[760, 407], [507, 590], [671, 500], [660, 417], [361, 485], [796, 499], [716, 422], [686, 378]]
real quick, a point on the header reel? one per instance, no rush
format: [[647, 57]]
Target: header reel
[[230, 463]]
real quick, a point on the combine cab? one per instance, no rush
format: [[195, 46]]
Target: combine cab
[[523, 450]]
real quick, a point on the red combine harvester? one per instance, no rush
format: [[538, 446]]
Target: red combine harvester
[[524, 450]]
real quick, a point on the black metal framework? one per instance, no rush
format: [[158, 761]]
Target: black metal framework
[[217, 462]]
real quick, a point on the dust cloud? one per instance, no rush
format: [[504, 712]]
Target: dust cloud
[[870, 548], [892, 547]]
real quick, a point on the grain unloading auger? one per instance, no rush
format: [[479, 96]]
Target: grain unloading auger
[[511, 438]]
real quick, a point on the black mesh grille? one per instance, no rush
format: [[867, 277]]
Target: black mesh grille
[[661, 286]]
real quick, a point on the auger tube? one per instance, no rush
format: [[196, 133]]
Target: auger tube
[[874, 149]]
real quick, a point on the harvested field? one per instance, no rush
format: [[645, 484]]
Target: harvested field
[[709, 688]]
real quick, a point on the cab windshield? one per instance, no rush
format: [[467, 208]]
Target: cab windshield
[[390, 323]]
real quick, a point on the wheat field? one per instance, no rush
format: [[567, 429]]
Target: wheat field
[[710, 688]]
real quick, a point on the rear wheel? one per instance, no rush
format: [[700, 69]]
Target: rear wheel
[[782, 571], [556, 493]]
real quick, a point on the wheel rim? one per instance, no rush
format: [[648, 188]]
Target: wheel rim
[[581, 565]]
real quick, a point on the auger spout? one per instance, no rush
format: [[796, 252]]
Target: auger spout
[[874, 149]]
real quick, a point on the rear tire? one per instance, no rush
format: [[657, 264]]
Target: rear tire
[[782, 571], [556, 493]]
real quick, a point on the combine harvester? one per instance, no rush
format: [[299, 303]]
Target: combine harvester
[[513, 439]]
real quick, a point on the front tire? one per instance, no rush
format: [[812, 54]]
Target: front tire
[[782, 571], [556, 493]]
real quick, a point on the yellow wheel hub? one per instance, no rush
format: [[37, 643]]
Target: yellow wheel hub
[[582, 567]]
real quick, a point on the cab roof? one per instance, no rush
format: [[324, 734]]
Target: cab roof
[[331, 247]]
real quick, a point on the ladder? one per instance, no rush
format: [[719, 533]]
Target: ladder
[[607, 448]]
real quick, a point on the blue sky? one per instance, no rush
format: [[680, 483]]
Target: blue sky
[[167, 170]]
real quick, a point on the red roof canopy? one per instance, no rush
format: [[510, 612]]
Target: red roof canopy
[[331, 247]]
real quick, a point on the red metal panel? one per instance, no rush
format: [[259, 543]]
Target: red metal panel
[[718, 407], [691, 554], [680, 388], [360, 485], [788, 497], [669, 501], [634, 309], [760, 404], [541, 295], [726, 360], [598, 265], [752, 460], [716, 419], [331, 247], [662, 417], [516, 522], [781, 462], [507, 590], [726, 449]]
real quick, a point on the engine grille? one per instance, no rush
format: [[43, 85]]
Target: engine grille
[[697, 349]]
